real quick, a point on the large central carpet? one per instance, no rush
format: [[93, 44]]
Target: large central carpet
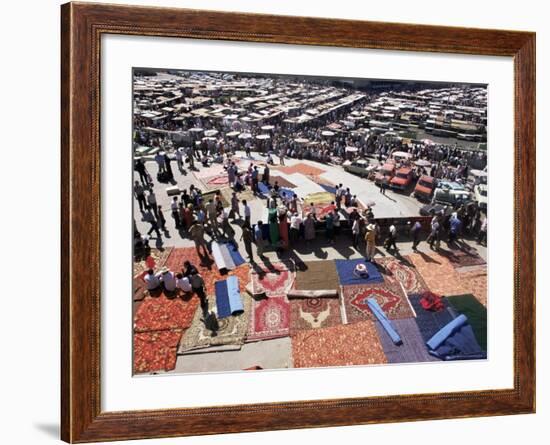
[[342, 345], [215, 332], [476, 313], [314, 313], [155, 351], [162, 313], [404, 273], [269, 318], [217, 180], [304, 169], [317, 275], [282, 181], [277, 279], [388, 295], [463, 258], [412, 350]]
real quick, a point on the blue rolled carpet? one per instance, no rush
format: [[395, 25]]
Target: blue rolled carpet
[[446, 331], [346, 272], [460, 345], [384, 321], [234, 295], [222, 299], [288, 192], [235, 254]]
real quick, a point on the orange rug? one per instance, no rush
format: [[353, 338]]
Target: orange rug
[[156, 351], [162, 313], [304, 169], [442, 278], [342, 345]]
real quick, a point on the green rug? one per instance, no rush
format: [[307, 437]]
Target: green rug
[[477, 315]]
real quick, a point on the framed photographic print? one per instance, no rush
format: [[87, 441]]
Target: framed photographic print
[[283, 222]]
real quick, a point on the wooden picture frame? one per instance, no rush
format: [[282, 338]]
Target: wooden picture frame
[[82, 26]]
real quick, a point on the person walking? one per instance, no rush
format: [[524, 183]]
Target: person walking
[[212, 214], [175, 212], [309, 228], [139, 193], [168, 165], [148, 217], [179, 159], [392, 238], [197, 285], [329, 227], [416, 232], [246, 237], [356, 231], [235, 207], [152, 202], [246, 213], [265, 176], [161, 219], [295, 223], [139, 166], [161, 163], [433, 237], [482, 236]]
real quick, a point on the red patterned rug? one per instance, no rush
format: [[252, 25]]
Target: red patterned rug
[[314, 313], [283, 182], [217, 180], [269, 318], [304, 169], [156, 259], [404, 272], [388, 295], [277, 279], [156, 351], [206, 268], [342, 345], [162, 313]]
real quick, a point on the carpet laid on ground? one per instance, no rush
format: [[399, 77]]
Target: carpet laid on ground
[[475, 312], [430, 322], [276, 279], [208, 172], [207, 269], [302, 168], [456, 341], [155, 351], [314, 313], [207, 330], [283, 182], [317, 275], [217, 180], [463, 258], [320, 210], [155, 260], [389, 297], [413, 349], [402, 271], [162, 313], [319, 198], [443, 279], [269, 318], [342, 345], [347, 275]]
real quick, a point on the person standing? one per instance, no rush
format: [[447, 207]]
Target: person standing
[[392, 238], [434, 233], [309, 228], [235, 206], [265, 176], [259, 239], [161, 219], [254, 179], [188, 216], [148, 217], [179, 159], [370, 240], [246, 237], [246, 213], [142, 170], [295, 222], [167, 163], [175, 212], [356, 231], [416, 231], [482, 236], [139, 193], [197, 285], [196, 231], [212, 214], [161, 163], [329, 227], [455, 225]]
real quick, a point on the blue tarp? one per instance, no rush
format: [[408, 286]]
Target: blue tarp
[[386, 323], [222, 299], [264, 189], [328, 188], [346, 272]]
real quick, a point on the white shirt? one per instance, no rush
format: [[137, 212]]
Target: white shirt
[[393, 230], [246, 210], [295, 222], [169, 280], [151, 281], [183, 284], [355, 227]]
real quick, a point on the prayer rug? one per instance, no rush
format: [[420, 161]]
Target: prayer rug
[[155, 260], [218, 180], [317, 275], [208, 172], [430, 322], [283, 182], [347, 275], [207, 269], [402, 272], [269, 318], [343, 345], [155, 351], [412, 350], [314, 313], [319, 198], [463, 258], [207, 330], [321, 210], [304, 169], [475, 312], [389, 297], [277, 279], [443, 279], [162, 313]]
